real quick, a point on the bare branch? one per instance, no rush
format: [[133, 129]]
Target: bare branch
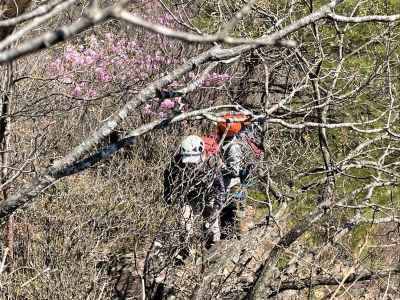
[[305, 283], [196, 38], [40, 11], [36, 22], [363, 19], [51, 38]]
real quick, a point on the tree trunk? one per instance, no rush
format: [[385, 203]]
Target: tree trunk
[[6, 95]]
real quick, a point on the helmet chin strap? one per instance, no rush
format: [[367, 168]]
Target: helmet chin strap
[[191, 154]]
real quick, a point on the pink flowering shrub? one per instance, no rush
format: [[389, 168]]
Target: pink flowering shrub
[[103, 64], [167, 104], [113, 62], [215, 79]]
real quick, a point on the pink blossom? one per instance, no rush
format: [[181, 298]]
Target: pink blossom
[[77, 91], [73, 56], [103, 75], [117, 49], [166, 19], [131, 45], [92, 93], [91, 56], [167, 104], [115, 58], [56, 67], [215, 79], [88, 60], [147, 109]]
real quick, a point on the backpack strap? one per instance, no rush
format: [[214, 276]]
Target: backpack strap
[[210, 145]]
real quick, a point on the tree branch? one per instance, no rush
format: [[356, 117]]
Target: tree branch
[[363, 19], [40, 11], [305, 283]]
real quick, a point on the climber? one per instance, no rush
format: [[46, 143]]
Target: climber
[[240, 146], [194, 183]]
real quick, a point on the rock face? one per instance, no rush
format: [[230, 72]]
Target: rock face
[[10, 9]]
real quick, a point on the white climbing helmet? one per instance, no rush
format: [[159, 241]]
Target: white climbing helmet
[[191, 149]]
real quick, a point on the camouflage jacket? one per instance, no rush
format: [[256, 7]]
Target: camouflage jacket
[[200, 186]]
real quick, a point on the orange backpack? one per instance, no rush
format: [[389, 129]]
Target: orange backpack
[[211, 146]]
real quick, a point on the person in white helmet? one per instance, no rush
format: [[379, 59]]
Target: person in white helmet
[[192, 184]]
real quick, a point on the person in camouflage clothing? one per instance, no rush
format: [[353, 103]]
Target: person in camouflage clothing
[[194, 183], [241, 147]]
